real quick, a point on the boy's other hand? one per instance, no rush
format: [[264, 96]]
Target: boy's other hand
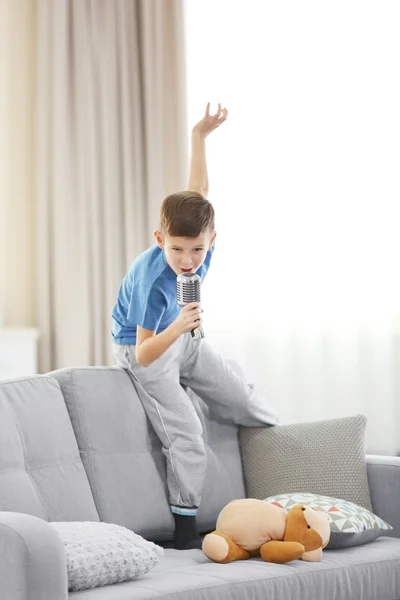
[[189, 318], [210, 122]]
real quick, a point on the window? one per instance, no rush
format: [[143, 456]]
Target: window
[[305, 182]]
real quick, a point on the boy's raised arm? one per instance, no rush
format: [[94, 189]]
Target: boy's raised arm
[[198, 176]]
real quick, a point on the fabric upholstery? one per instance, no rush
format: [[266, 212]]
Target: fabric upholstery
[[123, 457], [350, 524], [321, 457], [32, 559], [100, 554], [36, 435], [370, 572], [384, 484], [41, 472]]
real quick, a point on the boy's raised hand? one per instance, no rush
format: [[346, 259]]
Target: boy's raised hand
[[210, 122]]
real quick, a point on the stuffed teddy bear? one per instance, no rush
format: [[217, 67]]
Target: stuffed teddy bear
[[250, 527]]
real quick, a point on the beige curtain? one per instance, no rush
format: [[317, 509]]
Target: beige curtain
[[17, 257], [106, 107]]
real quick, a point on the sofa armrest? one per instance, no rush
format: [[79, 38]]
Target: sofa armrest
[[384, 486], [32, 559]]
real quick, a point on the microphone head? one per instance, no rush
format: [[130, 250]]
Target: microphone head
[[188, 287]]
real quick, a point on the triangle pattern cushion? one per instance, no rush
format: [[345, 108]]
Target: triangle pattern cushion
[[351, 524]]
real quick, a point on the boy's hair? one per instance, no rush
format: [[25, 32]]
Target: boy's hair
[[186, 214]]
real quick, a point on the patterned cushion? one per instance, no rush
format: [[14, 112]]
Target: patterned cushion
[[104, 553], [351, 525], [321, 457]]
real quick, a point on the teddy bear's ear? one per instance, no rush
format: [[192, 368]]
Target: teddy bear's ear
[[299, 530], [313, 507]]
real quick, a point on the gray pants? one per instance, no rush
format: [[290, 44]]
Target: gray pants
[[194, 364]]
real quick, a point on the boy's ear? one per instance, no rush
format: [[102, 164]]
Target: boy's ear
[[212, 240], [159, 238]]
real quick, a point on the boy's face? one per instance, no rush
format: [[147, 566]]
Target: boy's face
[[185, 254]]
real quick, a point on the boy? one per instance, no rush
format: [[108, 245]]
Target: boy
[[152, 339]]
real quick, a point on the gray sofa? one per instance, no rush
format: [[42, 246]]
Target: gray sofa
[[75, 445]]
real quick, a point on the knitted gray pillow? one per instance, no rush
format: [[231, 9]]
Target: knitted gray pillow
[[320, 457], [103, 553]]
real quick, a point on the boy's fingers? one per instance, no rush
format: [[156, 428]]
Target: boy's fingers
[[192, 305], [223, 116], [217, 114], [220, 115]]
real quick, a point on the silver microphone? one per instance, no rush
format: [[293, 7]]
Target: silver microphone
[[188, 289]]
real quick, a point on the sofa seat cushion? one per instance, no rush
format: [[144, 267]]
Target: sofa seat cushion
[[41, 472], [362, 573]]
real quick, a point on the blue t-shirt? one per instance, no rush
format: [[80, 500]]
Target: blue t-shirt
[[147, 296]]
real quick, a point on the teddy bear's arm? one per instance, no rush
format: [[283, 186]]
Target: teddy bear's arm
[[281, 552], [220, 548]]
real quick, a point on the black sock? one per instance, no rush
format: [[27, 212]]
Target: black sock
[[186, 536]]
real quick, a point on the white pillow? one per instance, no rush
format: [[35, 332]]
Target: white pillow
[[103, 553]]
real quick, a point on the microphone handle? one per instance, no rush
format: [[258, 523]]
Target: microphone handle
[[198, 333]]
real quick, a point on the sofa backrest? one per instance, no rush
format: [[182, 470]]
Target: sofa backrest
[[41, 472], [123, 458]]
